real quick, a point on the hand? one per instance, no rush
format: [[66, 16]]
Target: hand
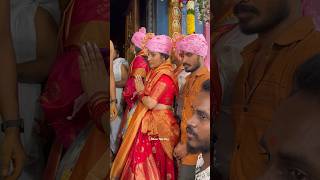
[[113, 111], [139, 83], [92, 70], [180, 151], [12, 152]]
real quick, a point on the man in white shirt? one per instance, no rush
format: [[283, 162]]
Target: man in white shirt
[[198, 132]]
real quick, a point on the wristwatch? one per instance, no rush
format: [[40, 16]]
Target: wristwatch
[[12, 123]]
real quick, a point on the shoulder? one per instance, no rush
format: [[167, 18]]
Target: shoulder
[[165, 78], [139, 61]]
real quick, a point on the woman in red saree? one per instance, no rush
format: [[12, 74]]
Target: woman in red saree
[[147, 147], [138, 67], [83, 21]]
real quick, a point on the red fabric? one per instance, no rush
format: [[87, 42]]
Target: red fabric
[[64, 85], [84, 11], [142, 148], [62, 88], [129, 90], [167, 94]]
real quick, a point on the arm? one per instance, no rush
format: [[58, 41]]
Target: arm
[[8, 78], [113, 105], [37, 71], [124, 77], [12, 148], [151, 101]]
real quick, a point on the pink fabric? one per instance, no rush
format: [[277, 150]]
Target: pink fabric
[[312, 8], [62, 89], [138, 37], [194, 43], [161, 44], [83, 11], [64, 85]]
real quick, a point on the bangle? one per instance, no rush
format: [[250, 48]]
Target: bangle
[[18, 123], [114, 101], [98, 106]]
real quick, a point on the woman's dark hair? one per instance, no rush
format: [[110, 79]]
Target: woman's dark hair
[[137, 49], [165, 56]]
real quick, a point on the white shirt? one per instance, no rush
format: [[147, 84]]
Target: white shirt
[[202, 175]]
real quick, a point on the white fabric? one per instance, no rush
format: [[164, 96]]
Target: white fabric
[[202, 175], [115, 124], [24, 42], [181, 82]]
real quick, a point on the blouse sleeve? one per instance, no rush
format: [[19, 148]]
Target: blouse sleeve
[[140, 67], [161, 87]]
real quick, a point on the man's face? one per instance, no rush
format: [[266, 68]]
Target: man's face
[[198, 127], [191, 62], [258, 16], [292, 141]]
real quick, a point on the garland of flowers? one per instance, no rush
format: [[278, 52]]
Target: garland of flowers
[[203, 10], [191, 22]]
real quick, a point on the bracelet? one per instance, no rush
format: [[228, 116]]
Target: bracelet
[[98, 106], [114, 100], [18, 123]]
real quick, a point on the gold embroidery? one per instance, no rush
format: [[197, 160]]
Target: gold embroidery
[[158, 90], [139, 72]]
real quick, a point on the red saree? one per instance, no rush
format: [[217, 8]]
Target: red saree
[[147, 148], [83, 21], [138, 66]]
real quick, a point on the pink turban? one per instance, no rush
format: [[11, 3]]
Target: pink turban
[[160, 43], [138, 37], [195, 44]]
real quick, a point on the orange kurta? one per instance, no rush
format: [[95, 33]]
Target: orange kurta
[[253, 106], [190, 91]]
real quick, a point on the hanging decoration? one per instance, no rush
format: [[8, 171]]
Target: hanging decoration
[[174, 17], [190, 17], [183, 7], [203, 11]]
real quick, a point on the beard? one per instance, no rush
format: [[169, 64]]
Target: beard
[[191, 68], [275, 16], [203, 148]]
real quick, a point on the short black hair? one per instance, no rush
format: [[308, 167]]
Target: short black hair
[[206, 86], [307, 77]]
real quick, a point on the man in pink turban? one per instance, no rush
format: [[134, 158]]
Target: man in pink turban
[[193, 50], [146, 151], [138, 67]]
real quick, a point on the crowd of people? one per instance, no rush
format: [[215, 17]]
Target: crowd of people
[[46, 49], [158, 131], [68, 113]]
